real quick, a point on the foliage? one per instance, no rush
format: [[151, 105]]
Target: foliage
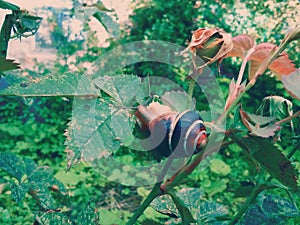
[[252, 180]]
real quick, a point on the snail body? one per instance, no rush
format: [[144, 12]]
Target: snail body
[[172, 133]]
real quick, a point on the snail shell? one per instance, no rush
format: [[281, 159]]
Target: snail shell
[[172, 133]]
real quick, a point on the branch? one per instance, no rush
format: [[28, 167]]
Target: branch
[[5, 34], [177, 178], [289, 118]]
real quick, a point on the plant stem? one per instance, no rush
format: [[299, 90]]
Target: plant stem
[[289, 118], [248, 202], [177, 178], [295, 149], [262, 68], [5, 34], [194, 77], [153, 194], [156, 191], [191, 88]]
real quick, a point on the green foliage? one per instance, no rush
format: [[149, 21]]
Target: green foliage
[[270, 209], [37, 181], [203, 211], [7, 5]]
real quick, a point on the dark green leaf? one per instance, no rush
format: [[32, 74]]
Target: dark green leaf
[[270, 209], [244, 190], [41, 182], [12, 165], [271, 158], [255, 216], [185, 213], [7, 5], [18, 191], [8, 64], [53, 218], [87, 216], [274, 205]]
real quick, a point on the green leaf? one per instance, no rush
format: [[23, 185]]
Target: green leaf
[[270, 209], [52, 84], [18, 191], [87, 216], [271, 158], [178, 101], [276, 106], [255, 216], [38, 183], [185, 213], [219, 167], [189, 196], [8, 64], [90, 134], [193, 199], [217, 186], [107, 22], [123, 127], [11, 130], [122, 88], [259, 125], [261, 120], [210, 211], [274, 205], [7, 5], [53, 218], [244, 190], [41, 181], [291, 83], [12, 165]]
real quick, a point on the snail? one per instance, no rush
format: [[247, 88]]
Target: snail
[[172, 133]]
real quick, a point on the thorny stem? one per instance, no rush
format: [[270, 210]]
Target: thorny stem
[[294, 150], [155, 192], [262, 68], [194, 77], [258, 189], [188, 168], [289, 118]]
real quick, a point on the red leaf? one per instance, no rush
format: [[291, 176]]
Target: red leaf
[[291, 83], [259, 125], [281, 66], [241, 44]]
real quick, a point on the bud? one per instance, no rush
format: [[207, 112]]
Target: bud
[[210, 45]]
